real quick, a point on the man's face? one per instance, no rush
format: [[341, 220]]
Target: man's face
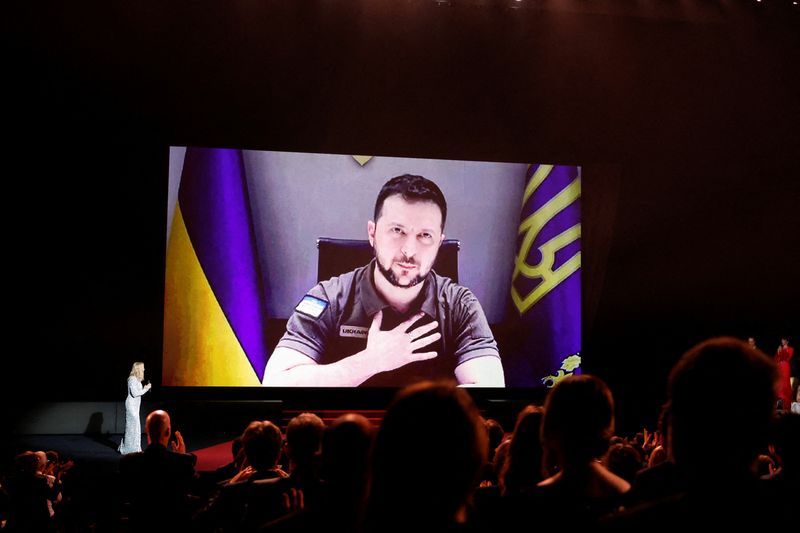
[[406, 238]]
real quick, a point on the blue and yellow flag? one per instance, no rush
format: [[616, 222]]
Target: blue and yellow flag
[[214, 313], [545, 336]]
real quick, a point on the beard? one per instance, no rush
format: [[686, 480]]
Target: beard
[[392, 279]]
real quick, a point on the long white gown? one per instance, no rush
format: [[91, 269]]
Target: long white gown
[[132, 441]]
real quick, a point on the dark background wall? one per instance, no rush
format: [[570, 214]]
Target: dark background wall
[[687, 113]]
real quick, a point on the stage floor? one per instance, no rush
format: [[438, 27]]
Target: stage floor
[[101, 451]]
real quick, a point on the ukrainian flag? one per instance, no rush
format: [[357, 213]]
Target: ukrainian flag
[[214, 313], [545, 285]]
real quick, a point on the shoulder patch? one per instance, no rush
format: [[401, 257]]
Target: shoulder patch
[[311, 306]]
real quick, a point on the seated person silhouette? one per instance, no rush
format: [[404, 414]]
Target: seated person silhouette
[[714, 445], [160, 480], [345, 450], [245, 502], [576, 428], [427, 460]]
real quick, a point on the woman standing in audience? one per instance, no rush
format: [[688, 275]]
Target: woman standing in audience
[[132, 441], [783, 357]]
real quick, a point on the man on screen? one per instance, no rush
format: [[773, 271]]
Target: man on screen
[[393, 321]]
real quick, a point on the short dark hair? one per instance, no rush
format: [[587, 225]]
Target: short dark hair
[[413, 189], [262, 441], [304, 435]]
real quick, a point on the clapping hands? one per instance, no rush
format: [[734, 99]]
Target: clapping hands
[[177, 443]]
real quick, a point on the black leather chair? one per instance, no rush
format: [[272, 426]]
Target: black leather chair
[[337, 256]]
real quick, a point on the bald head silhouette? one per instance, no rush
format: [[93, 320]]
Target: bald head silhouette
[[158, 427]]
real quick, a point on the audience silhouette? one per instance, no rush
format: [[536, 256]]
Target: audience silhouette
[[427, 459], [345, 451], [522, 468], [714, 449], [159, 481], [29, 494], [577, 425], [720, 466], [245, 501]]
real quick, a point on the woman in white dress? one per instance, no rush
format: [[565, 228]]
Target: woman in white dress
[[132, 441]]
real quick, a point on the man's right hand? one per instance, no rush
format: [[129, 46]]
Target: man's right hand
[[395, 347]]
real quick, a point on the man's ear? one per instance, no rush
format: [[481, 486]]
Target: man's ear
[[371, 232]]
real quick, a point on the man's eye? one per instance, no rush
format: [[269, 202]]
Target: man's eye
[[396, 230]]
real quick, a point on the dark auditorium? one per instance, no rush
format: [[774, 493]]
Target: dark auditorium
[[394, 265]]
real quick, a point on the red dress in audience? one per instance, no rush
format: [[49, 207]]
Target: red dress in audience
[[783, 358]]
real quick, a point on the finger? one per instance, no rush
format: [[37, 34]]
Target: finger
[[424, 356], [301, 500], [376, 321], [425, 341], [407, 324], [285, 503], [422, 330]]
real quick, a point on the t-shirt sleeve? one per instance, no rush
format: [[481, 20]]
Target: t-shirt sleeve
[[472, 335], [309, 327]]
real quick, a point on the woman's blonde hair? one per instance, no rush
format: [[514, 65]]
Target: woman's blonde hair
[[137, 370]]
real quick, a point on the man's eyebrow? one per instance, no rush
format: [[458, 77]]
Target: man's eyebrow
[[421, 230]]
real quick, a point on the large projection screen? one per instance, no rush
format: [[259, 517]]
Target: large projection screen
[[241, 236]]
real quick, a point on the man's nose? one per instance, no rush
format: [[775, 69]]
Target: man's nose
[[409, 248]]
